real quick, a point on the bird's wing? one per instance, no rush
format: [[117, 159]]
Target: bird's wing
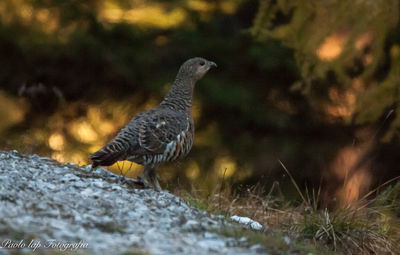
[[124, 143], [157, 130]]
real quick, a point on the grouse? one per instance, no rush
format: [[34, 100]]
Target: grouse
[[162, 134]]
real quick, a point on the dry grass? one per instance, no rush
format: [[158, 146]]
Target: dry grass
[[369, 226]]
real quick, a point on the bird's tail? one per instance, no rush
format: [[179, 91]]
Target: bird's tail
[[107, 156]]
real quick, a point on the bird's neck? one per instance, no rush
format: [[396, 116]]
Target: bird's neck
[[180, 95]]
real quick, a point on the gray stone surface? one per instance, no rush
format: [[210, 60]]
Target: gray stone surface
[[44, 202]]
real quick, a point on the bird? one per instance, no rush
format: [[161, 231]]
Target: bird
[[162, 134]]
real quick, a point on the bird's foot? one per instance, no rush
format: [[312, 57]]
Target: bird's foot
[[152, 184], [157, 188], [91, 169], [155, 184], [143, 181]]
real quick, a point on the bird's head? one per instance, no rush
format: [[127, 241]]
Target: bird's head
[[196, 68]]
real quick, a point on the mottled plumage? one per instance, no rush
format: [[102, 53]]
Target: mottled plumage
[[162, 134]]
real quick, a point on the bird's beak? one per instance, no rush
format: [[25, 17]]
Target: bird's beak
[[212, 64]]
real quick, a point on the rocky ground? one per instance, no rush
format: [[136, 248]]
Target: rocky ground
[[48, 207]]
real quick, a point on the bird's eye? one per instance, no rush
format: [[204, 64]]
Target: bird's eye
[[202, 63]]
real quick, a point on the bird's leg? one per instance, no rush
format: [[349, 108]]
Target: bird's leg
[[144, 177], [154, 180], [149, 178], [91, 170]]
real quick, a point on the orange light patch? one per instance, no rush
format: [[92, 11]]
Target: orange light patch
[[332, 46], [57, 142]]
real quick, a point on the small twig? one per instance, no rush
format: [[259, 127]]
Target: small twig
[[293, 181]]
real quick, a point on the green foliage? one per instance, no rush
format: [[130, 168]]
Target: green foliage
[[196, 202], [274, 243], [350, 230], [337, 48], [390, 198], [379, 99], [365, 227]]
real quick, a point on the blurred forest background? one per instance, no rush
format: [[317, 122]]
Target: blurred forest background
[[314, 84]]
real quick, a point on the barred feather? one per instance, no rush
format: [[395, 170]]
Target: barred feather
[[162, 134]]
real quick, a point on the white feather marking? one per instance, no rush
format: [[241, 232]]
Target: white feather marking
[[169, 151], [172, 152], [159, 124], [169, 147], [182, 138]]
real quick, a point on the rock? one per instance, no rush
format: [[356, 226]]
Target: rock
[[287, 239], [258, 248], [49, 207], [247, 222]]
